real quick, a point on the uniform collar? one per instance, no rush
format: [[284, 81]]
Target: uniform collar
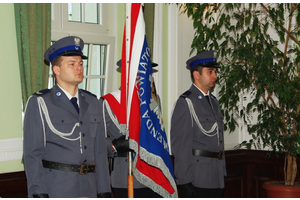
[[202, 91], [68, 94]]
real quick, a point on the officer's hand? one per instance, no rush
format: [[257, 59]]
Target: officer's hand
[[121, 144], [104, 195], [187, 191], [40, 196]]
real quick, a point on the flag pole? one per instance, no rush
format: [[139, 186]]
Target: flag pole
[[129, 155], [130, 176]]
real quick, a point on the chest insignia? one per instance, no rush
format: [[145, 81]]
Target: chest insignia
[[58, 93]]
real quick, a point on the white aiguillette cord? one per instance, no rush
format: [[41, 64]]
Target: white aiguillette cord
[[205, 132], [112, 117], [43, 107]]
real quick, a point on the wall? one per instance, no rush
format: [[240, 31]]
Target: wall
[[11, 110]]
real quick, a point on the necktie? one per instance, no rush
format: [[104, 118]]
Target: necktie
[[207, 98], [74, 102]]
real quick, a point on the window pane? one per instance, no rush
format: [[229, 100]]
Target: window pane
[[92, 13], [74, 12], [83, 84], [97, 87], [103, 54], [98, 60], [51, 79], [85, 52]]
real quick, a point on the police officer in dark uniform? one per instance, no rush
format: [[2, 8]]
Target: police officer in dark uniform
[[197, 141], [118, 147], [65, 152]]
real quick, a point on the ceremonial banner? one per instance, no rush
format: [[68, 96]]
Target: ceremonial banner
[[152, 164]]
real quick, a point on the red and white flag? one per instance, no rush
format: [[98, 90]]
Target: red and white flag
[[152, 165]]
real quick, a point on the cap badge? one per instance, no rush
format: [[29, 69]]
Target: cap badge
[[77, 41], [215, 54], [58, 93]]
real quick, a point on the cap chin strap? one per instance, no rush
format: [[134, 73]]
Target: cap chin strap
[[205, 132]]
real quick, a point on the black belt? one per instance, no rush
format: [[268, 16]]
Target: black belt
[[197, 152], [122, 154], [83, 169]]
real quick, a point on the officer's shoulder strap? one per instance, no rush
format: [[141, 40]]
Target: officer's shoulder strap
[[88, 92], [213, 96], [41, 92], [186, 94]]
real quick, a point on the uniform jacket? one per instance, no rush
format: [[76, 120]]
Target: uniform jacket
[[203, 172], [41, 143], [119, 172]]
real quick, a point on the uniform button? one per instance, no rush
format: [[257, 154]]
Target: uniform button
[[62, 121], [80, 122], [84, 147], [83, 134], [220, 141], [85, 160], [126, 159]]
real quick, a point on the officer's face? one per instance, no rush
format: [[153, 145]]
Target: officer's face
[[207, 79], [70, 71]]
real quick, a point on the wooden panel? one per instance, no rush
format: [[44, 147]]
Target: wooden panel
[[13, 185], [233, 187], [256, 168]]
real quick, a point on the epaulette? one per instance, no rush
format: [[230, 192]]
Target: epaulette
[[41, 92], [186, 94], [213, 95], [88, 92]]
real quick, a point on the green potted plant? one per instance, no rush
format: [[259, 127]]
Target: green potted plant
[[258, 50]]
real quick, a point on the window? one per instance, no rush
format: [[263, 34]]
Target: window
[[88, 21]]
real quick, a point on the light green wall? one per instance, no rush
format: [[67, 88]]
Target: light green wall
[[11, 166], [11, 110], [10, 95], [165, 69]]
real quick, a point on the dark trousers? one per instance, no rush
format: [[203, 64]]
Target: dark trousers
[[209, 193], [138, 193]]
